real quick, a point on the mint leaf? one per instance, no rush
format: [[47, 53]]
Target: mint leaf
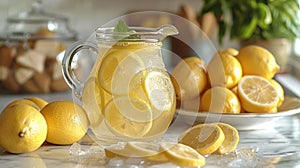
[[122, 27]]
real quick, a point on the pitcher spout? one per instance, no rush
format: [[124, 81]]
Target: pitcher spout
[[167, 30]]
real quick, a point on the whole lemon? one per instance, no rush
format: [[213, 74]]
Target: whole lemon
[[22, 129], [230, 51], [220, 99], [67, 122], [232, 70], [191, 76], [256, 60], [22, 101], [41, 103]]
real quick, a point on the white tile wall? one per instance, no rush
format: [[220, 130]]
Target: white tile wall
[[87, 15]]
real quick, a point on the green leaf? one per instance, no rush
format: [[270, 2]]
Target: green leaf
[[121, 26], [264, 15], [245, 31]]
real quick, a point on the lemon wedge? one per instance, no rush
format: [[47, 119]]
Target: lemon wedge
[[182, 154]]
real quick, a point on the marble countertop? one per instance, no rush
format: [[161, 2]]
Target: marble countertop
[[275, 146]]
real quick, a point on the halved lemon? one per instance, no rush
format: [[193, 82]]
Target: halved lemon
[[231, 138], [129, 117], [205, 138], [280, 91], [182, 154], [257, 94]]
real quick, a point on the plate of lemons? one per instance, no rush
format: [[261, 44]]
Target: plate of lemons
[[236, 87]]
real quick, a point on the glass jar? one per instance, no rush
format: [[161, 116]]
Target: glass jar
[[30, 47]]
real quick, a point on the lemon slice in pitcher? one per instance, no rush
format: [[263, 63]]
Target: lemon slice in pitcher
[[129, 117], [91, 100], [118, 69], [159, 90]]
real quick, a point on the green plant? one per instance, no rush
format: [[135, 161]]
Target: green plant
[[255, 19]]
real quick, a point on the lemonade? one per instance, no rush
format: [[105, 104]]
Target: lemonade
[[129, 94]]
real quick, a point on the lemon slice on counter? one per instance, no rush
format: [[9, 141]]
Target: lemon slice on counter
[[257, 94], [148, 150], [129, 117], [182, 154], [231, 138], [205, 138], [117, 150]]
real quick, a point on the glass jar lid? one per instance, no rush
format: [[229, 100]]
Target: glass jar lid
[[37, 24]]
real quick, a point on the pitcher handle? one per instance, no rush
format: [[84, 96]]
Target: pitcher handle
[[69, 73]]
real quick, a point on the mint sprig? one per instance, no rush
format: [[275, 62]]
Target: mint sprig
[[122, 27]]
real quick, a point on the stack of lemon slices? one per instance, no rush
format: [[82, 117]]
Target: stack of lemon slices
[[235, 81], [199, 140]]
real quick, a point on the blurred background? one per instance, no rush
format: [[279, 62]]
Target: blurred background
[[85, 16]]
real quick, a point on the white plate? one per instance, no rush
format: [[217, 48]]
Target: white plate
[[243, 121]]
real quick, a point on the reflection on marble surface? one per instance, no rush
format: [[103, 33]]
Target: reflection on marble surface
[[271, 147]]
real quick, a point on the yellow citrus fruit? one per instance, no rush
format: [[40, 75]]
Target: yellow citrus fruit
[[22, 101], [205, 138], [116, 150], [122, 62], [230, 51], [231, 138], [257, 60], [182, 155], [191, 76], [231, 67], [220, 99], [257, 94], [155, 89], [280, 91], [159, 91], [147, 150], [22, 129], [129, 117], [38, 101], [67, 122]]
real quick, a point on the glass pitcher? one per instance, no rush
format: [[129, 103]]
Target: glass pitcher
[[128, 94]]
